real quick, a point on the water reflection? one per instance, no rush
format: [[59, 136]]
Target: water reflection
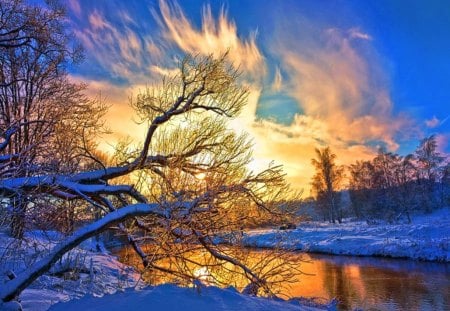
[[377, 284], [367, 283], [277, 269]]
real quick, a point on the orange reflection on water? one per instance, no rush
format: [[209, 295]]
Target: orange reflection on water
[[191, 261], [368, 283]]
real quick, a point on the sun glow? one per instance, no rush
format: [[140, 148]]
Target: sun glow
[[200, 176]]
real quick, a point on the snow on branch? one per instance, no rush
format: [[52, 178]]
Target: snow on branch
[[15, 286]]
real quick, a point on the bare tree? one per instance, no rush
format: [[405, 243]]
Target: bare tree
[[191, 175], [45, 119], [391, 186], [361, 183], [326, 182], [378, 188], [429, 168], [445, 181]]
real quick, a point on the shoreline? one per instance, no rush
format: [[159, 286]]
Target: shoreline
[[426, 239]]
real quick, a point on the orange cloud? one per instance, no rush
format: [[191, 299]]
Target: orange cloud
[[345, 102], [293, 146], [215, 37]]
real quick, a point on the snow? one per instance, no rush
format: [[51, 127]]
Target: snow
[[171, 297], [32, 271], [103, 283], [426, 238], [97, 273]]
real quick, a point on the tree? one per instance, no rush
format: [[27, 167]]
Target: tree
[[390, 186], [171, 207], [445, 181], [326, 182], [46, 122], [429, 167], [360, 185], [383, 188]]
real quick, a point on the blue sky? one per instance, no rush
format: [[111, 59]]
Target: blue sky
[[354, 75]]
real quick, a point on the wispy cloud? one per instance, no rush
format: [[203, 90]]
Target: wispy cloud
[[435, 122], [75, 7], [117, 48], [344, 97], [335, 83], [278, 80], [356, 33], [215, 37], [443, 141]]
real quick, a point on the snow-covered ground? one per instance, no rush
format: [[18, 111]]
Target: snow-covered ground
[[171, 297], [81, 271], [426, 238], [100, 282]]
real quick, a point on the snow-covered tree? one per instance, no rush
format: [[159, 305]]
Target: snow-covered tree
[[46, 122], [189, 174]]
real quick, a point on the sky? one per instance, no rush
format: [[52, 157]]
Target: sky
[[351, 75]]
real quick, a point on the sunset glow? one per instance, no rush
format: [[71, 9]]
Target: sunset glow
[[352, 75]]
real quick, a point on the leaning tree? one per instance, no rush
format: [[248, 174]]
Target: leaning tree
[[184, 185]]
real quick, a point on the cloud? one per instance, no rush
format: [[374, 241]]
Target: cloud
[[344, 97], [433, 122], [355, 33], [443, 141], [336, 83], [278, 80], [215, 37], [117, 48], [294, 147], [75, 7]]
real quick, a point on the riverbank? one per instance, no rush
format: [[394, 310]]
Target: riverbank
[[426, 238], [88, 279], [171, 297]]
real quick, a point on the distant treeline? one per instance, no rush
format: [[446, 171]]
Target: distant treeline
[[391, 186]]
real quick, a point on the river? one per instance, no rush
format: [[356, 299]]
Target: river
[[368, 283]]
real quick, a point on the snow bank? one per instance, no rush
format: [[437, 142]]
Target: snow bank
[[171, 297], [80, 272], [426, 238]]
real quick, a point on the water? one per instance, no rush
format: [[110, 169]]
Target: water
[[359, 282], [376, 283]]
